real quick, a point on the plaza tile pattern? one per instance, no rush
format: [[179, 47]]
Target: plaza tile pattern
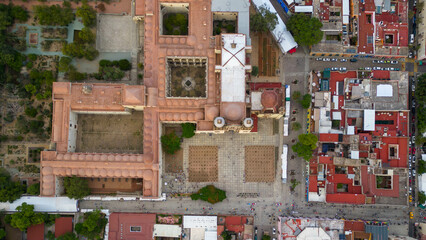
[[203, 164], [259, 163]]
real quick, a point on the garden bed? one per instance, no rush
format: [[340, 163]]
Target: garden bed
[[52, 45], [54, 33]]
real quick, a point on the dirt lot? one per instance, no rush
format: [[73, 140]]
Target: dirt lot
[[110, 133], [203, 164], [259, 163]]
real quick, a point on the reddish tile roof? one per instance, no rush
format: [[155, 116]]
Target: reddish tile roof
[[119, 225], [354, 226], [36, 232], [379, 74], [313, 184], [345, 198], [325, 160], [329, 137], [63, 225]]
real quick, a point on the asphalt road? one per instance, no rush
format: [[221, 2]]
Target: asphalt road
[[362, 62]]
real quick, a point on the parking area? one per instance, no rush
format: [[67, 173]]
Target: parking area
[[336, 64]]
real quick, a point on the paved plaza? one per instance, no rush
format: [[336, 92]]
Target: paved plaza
[[203, 162], [115, 33], [231, 162]]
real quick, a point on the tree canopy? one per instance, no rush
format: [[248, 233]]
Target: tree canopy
[[9, 190], [209, 194], [55, 14], [87, 14], [422, 197], [25, 217], [34, 189], [76, 188], [94, 223], [306, 30], [188, 130], [420, 94], [306, 101], [306, 146], [263, 21], [170, 143]]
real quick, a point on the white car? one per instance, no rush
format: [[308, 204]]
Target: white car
[[334, 69], [411, 38], [326, 59], [334, 59], [368, 68], [342, 69], [343, 60], [319, 59], [394, 62]]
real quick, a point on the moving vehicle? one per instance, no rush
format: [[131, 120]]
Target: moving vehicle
[[411, 38], [284, 158], [411, 215]]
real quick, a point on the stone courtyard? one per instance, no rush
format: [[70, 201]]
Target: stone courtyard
[[231, 163]]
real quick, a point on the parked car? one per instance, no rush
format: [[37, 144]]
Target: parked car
[[368, 68], [319, 59], [410, 55], [274, 231], [411, 38], [327, 69], [387, 61], [394, 62], [343, 60], [411, 215], [354, 60], [386, 69], [334, 69], [334, 59], [342, 69], [375, 61], [396, 69], [377, 68], [326, 59]]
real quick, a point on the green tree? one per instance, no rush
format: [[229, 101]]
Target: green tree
[[124, 65], [306, 146], [255, 71], [9, 190], [263, 21], [30, 111], [87, 14], [93, 225], [64, 64], [20, 13], [25, 217], [76, 188], [188, 130], [34, 189], [306, 101], [306, 30], [86, 35], [309, 139], [170, 143], [266, 237], [421, 167], [422, 197], [302, 151], [296, 95], [2, 233], [209, 194], [54, 15], [296, 126], [68, 236]]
